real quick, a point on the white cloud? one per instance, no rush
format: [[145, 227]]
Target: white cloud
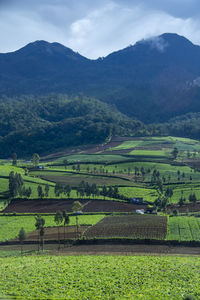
[[95, 28]]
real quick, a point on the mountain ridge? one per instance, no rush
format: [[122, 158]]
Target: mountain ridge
[[158, 73]]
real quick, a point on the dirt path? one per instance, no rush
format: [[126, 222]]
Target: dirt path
[[127, 250]]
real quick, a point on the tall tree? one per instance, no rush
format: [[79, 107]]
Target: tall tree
[[46, 189], [35, 159], [58, 219], [40, 191], [66, 222], [175, 152], [39, 224], [22, 236], [65, 163], [76, 208], [15, 184], [14, 159], [104, 192]]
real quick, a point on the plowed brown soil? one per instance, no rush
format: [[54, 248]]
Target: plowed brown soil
[[51, 206]]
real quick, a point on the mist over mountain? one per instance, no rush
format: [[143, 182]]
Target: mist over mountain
[[154, 80]]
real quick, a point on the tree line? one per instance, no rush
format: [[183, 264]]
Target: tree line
[[61, 219]]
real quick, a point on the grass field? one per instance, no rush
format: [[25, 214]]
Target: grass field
[[184, 190], [11, 225], [147, 194], [149, 153], [78, 158], [100, 277], [5, 169], [127, 145], [184, 228]]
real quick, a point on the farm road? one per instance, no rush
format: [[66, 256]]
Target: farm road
[[129, 250]]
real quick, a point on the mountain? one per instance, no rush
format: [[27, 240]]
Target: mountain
[[154, 80]]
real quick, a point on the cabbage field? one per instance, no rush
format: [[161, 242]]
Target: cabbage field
[[100, 277]]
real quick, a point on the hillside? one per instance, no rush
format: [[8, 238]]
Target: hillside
[[160, 74], [55, 122]]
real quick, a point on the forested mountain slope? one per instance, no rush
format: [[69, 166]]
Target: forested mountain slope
[[45, 124], [161, 74]]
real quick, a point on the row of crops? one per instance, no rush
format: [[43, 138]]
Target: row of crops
[[147, 227], [184, 229], [100, 277], [181, 228], [132, 226]]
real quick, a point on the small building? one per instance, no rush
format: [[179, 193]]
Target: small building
[[140, 211]]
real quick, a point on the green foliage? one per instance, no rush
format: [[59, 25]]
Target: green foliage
[[35, 159], [77, 206], [184, 228], [100, 277], [53, 122], [22, 235], [58, 219]]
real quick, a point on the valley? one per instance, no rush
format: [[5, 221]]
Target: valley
[[150, 177]]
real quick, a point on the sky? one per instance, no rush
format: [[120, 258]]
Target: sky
[[95, 28]]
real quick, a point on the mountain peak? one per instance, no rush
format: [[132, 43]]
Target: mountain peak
[[42, 47], [164, 41]]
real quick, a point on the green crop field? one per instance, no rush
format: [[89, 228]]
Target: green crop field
[[11, 225], [78, 158], [100, 277], [127, 145], [5, 169], [184, 228], [117, 170], [149, 153], [184, 190], [147, 194]]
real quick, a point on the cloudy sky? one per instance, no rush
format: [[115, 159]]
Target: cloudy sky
[[95, 28]]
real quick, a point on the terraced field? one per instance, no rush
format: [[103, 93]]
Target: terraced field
[[134, 226], [121, 170]]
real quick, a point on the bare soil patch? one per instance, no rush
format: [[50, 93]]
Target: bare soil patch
[[40, 206], [51, 233], [76, 179], [107, 249], [88, 150], [127, 250], [53, 205], [111, 206], [187, 207]]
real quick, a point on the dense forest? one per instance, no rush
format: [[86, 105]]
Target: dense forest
[[44, 124]]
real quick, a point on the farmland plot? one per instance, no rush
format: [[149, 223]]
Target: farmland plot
[[184, 229], [130, 226], [100, 277]]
